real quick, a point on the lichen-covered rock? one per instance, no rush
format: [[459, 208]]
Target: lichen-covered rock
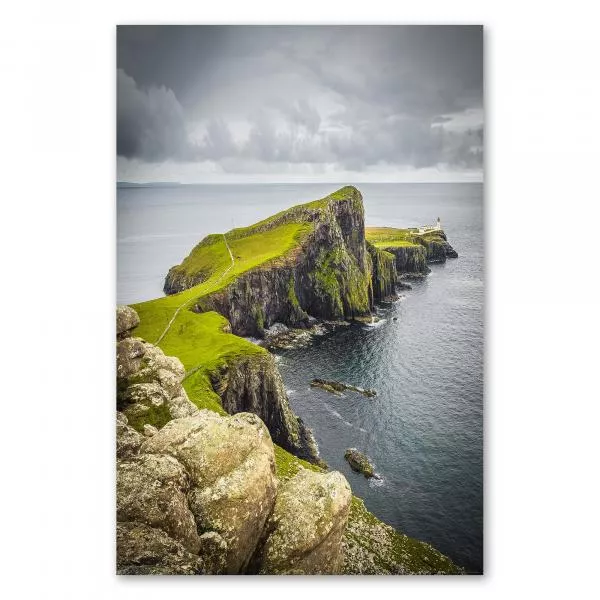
[[213, 549], [149, 385], [127, 320], [149, 430], [231, 464], [145, 550], [153, 489], [359, 462], [253, 384], [128, 439], [307, 525]]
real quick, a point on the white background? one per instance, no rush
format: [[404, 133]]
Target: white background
[[57, 139]]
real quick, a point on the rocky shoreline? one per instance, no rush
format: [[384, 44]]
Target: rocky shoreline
[[245, 487]]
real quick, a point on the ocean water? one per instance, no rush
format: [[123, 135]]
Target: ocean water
[[424, 429]]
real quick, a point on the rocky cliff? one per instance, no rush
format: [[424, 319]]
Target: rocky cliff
[[203, 493], [327, 274], [412, 250], [385, 272], [254, 384], [150, 391]]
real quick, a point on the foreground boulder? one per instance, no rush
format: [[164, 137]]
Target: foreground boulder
[[153, 489], [145, 550], [307, 524], [231, 465], [127, 320], [359, 462]]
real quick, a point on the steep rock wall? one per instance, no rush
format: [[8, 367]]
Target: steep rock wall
[[329, 275], [410, 260], [254, 384], [384, 272]]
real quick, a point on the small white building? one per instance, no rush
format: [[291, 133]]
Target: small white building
[[428, 228]]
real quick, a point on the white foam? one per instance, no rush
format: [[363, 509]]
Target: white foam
[[377, 481]]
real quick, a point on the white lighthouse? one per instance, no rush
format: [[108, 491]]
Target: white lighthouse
[[438, 224]]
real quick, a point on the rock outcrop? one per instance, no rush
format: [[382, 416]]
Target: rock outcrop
[[437, 247], [253, 384], [149, 389], [359, 462], [307, 525], [329, 275], [231, 468], [201, 496], [127, 320]]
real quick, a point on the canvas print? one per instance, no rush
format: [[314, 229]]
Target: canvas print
[[300, 285]]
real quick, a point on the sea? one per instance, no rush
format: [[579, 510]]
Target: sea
[[424, 357]]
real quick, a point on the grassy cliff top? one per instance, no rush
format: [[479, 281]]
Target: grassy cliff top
[[387, 237], [199, 340], [392, 237]]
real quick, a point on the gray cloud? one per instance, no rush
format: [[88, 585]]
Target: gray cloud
[[150, 123], [273, 97]]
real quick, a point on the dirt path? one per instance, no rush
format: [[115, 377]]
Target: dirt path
[[162, 335]]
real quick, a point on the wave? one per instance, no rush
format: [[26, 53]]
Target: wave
[[377, 324]]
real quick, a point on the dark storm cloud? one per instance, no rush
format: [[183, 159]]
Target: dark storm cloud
[[150, 123], [348, 96]]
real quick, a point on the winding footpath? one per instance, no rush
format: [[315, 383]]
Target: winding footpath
[[162, 335]]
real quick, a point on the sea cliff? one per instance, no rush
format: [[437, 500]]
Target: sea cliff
[[238, 482], [202, 492]]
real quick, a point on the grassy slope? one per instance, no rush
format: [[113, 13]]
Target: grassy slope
[[199, 341]]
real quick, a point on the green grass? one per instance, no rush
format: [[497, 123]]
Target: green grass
[[390, 237]]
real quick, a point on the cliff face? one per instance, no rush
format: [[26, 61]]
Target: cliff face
[[150, 392], [328, 275], [385, 272], [437, 247], [254, 384], [412, 250], [410, 260]]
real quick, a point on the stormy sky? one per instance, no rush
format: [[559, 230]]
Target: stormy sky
[[299, 103]]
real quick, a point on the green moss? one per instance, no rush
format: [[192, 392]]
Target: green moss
[[288, 465], [387, 550], [158, 416], [292, 293]]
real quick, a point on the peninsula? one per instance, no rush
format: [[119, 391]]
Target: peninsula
[[204, 424]]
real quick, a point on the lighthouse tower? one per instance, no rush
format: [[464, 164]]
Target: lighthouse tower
[[438, 224]]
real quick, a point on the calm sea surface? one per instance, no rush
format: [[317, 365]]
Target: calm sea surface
[[424, 430]]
